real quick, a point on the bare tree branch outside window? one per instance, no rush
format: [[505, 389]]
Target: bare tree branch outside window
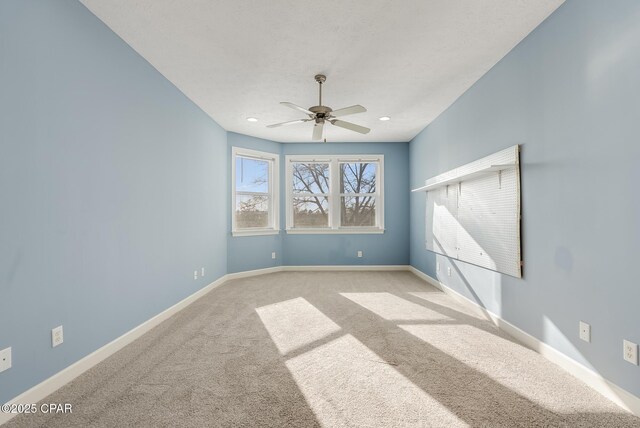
[[311, 190], [358, 188]]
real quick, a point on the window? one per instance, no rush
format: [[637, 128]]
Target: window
[[335, 194], [255, 192], [358, 194], [310, 199]]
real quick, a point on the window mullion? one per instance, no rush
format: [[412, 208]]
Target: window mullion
[[289, 192], [245, 193], [270, 200], [334, 197]]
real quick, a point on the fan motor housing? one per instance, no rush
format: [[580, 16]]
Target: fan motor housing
[[320, 111]]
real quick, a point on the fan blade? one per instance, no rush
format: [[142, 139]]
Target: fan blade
[[350, 126], [317, 131], [291, 122], [297, 107], [348, 110]]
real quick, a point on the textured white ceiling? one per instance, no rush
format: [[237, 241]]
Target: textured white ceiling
[[408, 59]]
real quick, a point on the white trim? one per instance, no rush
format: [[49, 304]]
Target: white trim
[[621, 397], [245, 193], [274, 191], [467, 176], [315, 268], [334, 195], [610, 390], [427, 278], [66, 375], [255, 272], [256, 154], [326, 231], [339, 268], [255, 232]]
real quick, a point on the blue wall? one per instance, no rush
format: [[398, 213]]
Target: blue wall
[[111, 184], [390, 248], [569, 94]]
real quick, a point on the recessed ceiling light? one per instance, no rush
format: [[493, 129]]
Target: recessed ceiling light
[[252, 119], [384, 118]]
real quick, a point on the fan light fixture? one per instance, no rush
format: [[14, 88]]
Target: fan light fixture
[[252, 119], [321, 114], [384, 118]]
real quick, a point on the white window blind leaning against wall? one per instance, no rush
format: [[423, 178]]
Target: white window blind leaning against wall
[[473, 213]]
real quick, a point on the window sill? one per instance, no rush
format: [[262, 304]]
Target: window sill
[[363, 231], [257, 232]]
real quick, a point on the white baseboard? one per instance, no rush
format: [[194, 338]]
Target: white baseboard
[[345, 268], [58, 380], [613, 392], [316, 268], [40, 391], [255, 272]]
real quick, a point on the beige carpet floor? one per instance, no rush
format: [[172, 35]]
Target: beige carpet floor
[[333, 349]]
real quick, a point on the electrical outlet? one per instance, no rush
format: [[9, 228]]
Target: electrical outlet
[[273, 255], [359, 253], [5, 359], [448, 270], [195, 274], [585, 331], [201, 271], [437, 266], [57, 336], [630, 352]]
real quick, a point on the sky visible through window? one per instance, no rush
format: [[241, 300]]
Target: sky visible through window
[[253, 200], [252, 175]]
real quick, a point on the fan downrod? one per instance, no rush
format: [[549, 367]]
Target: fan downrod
[[320, 78], [320, 112]]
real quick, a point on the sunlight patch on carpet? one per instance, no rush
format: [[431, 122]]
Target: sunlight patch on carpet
[[347, 384], [394, 308], [505, 362], [294, 323]]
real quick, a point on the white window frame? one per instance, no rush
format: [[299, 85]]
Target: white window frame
[[334, 195], [274, 192]]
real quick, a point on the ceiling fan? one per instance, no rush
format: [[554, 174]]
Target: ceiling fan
[[321, 114]]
